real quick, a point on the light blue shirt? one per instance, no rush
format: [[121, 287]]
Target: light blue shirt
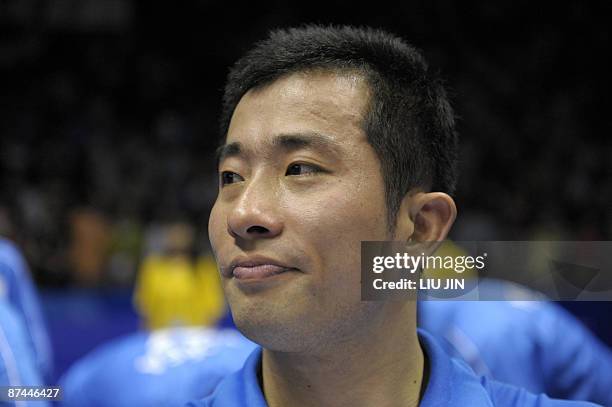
[[17, 362], [165, 368], [17, 288], [451, 384]]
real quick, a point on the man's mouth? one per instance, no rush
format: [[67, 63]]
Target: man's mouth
[[256, 267], [258, 271]]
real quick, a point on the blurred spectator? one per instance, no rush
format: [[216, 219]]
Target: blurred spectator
[[90, 244], [125, 251], [536, 345], [18, 364], [166, 368], [19, 293], [173, 288]]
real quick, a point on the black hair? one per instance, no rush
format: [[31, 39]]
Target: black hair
[[409, 121]]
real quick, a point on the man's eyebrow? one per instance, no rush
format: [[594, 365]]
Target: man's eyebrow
[[288, 142], [297, 141], [227, 150]]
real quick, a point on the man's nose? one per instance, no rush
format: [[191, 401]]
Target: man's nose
[[256, 214]]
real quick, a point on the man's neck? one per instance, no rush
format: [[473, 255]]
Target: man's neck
[[383, 368]]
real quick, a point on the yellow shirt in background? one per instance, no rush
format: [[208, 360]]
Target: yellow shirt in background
[[173, 291]]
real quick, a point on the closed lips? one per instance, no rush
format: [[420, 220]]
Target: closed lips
[[256, 268], [259, 271]]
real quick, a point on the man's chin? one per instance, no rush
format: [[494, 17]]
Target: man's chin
[[274, 331]]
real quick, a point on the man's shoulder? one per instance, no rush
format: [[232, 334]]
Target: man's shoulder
[[240, 388]]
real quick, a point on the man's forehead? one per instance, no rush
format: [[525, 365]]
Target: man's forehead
[[321, 102], [328, 78], [322, 94]]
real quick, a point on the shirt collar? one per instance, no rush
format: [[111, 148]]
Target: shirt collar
[[451, 383]]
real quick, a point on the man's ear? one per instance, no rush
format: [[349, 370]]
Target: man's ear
[[433, 214]]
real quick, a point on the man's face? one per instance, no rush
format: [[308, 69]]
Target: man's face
[[300, 188]]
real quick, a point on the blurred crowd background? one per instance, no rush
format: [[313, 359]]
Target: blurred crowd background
[[108, 124]]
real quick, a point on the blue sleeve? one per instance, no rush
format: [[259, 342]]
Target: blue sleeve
[[17, 365], [576, 364], [533, 345], [17, 288], [510, 396]]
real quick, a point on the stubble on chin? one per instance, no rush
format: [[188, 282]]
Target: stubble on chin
[[306, 332]]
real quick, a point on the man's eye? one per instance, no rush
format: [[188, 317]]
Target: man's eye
[[228, 177], [302, 169]]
